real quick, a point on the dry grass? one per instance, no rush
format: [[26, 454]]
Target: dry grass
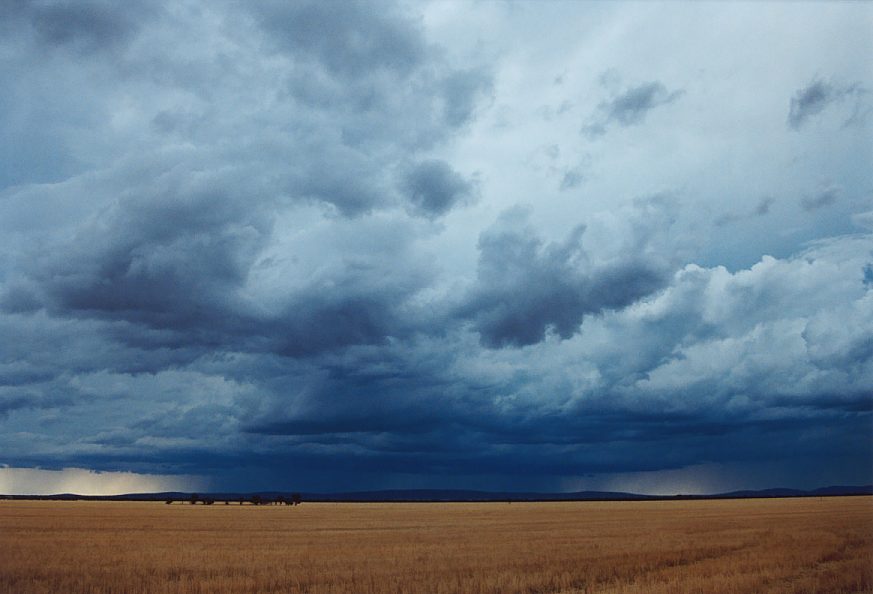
[[784, 546]]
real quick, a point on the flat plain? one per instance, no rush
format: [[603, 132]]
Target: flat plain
[[726, 546]]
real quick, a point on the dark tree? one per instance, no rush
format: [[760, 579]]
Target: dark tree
[[296, 498], [256, 499], [194, 498]]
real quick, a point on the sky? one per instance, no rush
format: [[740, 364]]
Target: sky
[[334, 246]]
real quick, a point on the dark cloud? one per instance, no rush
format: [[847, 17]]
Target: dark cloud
[[822, 198], [88, 26], [809, 101], [526, 289], [433, 188], [727, 219], [164, 256], [463, 91], [814, 98], [572, 179], [173, 263], [631, 107], [764, 205], [374, 93], [350, 185], [762, 209], [366, 60], [345, 400], [325, 321], [169, 240], [351, 38], [18, 299], [57, 58], [371, 429], [220, 257], [11, 403], [698, 387]]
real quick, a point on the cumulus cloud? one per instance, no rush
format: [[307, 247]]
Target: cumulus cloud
[[526, 289], [754, 334], [169, 238], [705, 368], [263, 243]]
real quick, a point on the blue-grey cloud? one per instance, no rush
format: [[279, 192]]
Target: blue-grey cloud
[[526, 289], [572, 179], [809, 101], [631, 107], [180, 233], [245, 241], [433, 188], [462, 93], [763, 206], [88, 26], [824, 197], [352, 39], [814, 98], [760, 210]]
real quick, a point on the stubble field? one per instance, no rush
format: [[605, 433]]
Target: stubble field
[[769, 545]]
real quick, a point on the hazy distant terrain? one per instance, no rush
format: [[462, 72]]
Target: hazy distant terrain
[[437, 495], [762, 545]]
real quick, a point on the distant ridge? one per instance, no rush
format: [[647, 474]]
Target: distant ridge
[[821, 492], [449, 495], [414, 495], [436, 495]]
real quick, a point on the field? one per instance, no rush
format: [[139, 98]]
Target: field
[[767, 545]]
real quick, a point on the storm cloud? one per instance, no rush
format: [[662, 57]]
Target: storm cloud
[[526, 289], [318, 246]]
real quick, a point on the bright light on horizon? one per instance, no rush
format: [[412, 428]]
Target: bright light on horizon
[[83, 481]]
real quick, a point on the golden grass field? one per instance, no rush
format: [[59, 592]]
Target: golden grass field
[[765, 545]]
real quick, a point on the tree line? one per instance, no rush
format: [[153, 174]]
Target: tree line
[[294, 499]]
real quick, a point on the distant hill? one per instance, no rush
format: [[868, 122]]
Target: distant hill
[[459, 495], [444, 495], [836, 490], [456, 495]]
